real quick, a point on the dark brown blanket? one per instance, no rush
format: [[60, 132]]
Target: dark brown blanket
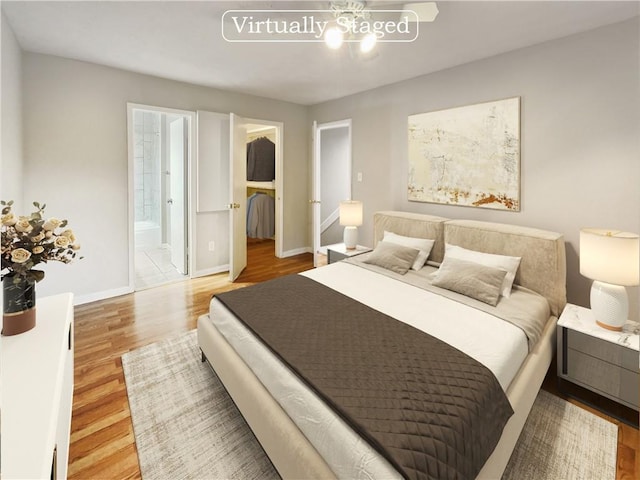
[[429, 409]]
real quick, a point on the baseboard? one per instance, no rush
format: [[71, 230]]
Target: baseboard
[[210, 271], [94, 297], [296, 251]]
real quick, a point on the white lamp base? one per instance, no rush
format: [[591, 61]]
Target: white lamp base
[[350, 237], [610, 305]]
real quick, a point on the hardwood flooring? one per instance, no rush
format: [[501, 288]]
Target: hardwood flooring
[[102, 441]]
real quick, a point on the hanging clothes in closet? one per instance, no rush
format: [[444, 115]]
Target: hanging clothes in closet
[[261, 160], [261, 214]]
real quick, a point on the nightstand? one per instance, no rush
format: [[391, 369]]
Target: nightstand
[[338, 252], [603, 361]]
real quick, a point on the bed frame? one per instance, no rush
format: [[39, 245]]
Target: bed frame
[[542, 269]]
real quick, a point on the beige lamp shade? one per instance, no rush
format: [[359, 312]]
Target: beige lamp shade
[[610, 256], [351, 213]]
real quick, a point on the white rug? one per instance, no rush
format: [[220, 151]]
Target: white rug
[[187, 427]]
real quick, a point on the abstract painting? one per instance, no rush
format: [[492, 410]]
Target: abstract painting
[[467, 156]]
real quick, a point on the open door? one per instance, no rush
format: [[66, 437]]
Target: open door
[[315, 193], [331, 160], [176, 201], [237, 196]]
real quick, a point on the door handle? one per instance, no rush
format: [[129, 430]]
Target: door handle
[[314, 201], [170, 201], [233, 205]]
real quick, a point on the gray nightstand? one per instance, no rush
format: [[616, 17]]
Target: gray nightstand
[[599, 360], [338, 252]]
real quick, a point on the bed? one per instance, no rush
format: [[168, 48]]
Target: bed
[[306, 438]]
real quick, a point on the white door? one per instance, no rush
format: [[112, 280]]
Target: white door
[[176, 201], [331, 155], [237, 196], [315, 193]]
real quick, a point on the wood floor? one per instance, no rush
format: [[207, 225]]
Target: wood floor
[[102, 441]]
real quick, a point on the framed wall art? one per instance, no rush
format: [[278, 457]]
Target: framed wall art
[[467, 156]]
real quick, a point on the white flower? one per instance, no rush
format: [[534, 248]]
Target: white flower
[[38, 250], [61, 242], [69, 234], [9, 219], [23, 225], [20, 255], [75, 246], [52, 224]]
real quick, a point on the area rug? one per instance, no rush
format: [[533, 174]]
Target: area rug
[[187, 427]]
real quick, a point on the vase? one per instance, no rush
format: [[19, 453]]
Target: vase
[[19, 314]]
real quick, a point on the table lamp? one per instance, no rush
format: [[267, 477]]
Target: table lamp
[[611, 259], [351, 219]]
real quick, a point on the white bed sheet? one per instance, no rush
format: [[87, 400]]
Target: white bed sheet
[[498, 345]]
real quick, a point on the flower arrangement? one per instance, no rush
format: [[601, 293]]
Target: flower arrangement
[[28, 241]]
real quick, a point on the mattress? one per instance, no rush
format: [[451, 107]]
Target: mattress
[[497, 344]]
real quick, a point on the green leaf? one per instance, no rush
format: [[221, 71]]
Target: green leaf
[[36, 204], [6, 210]]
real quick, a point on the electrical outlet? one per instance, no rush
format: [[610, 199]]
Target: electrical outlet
[[212, 246], [359, 176]]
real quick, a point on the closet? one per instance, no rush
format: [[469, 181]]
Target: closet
[[261, 182]]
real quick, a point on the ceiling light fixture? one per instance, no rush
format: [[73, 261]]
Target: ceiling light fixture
[[352, 22], [421, 11], [333, 37], [347, 14], [368, 42]]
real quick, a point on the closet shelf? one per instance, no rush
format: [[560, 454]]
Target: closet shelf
[[269, 185]]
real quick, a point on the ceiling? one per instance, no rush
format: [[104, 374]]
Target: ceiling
[[182, 41]]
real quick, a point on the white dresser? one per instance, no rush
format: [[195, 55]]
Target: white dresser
[[37, 393]]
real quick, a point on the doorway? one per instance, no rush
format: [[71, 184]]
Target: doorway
[[261, 187], [331, 182], [256, 189], [159, 158]]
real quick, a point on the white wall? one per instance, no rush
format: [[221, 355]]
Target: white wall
[[580, 124], [11, 159], [11, 131], [75, 151]]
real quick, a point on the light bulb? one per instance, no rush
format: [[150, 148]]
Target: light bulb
[[368, 42], [333, 38]]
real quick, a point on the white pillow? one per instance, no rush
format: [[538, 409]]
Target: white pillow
[[424, 245], [504, 262]]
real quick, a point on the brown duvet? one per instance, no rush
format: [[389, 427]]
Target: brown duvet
[[431, 410]]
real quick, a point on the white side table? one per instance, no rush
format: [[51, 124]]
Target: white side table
[[603, 361], [338, 251]]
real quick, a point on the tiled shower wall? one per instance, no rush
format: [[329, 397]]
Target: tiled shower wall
[[147, 173]]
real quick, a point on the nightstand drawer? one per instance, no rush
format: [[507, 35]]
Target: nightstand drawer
[[607, 351], [610, 379]]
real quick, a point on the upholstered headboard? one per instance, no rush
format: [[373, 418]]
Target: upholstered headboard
[[543, 265], [411, 225]]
